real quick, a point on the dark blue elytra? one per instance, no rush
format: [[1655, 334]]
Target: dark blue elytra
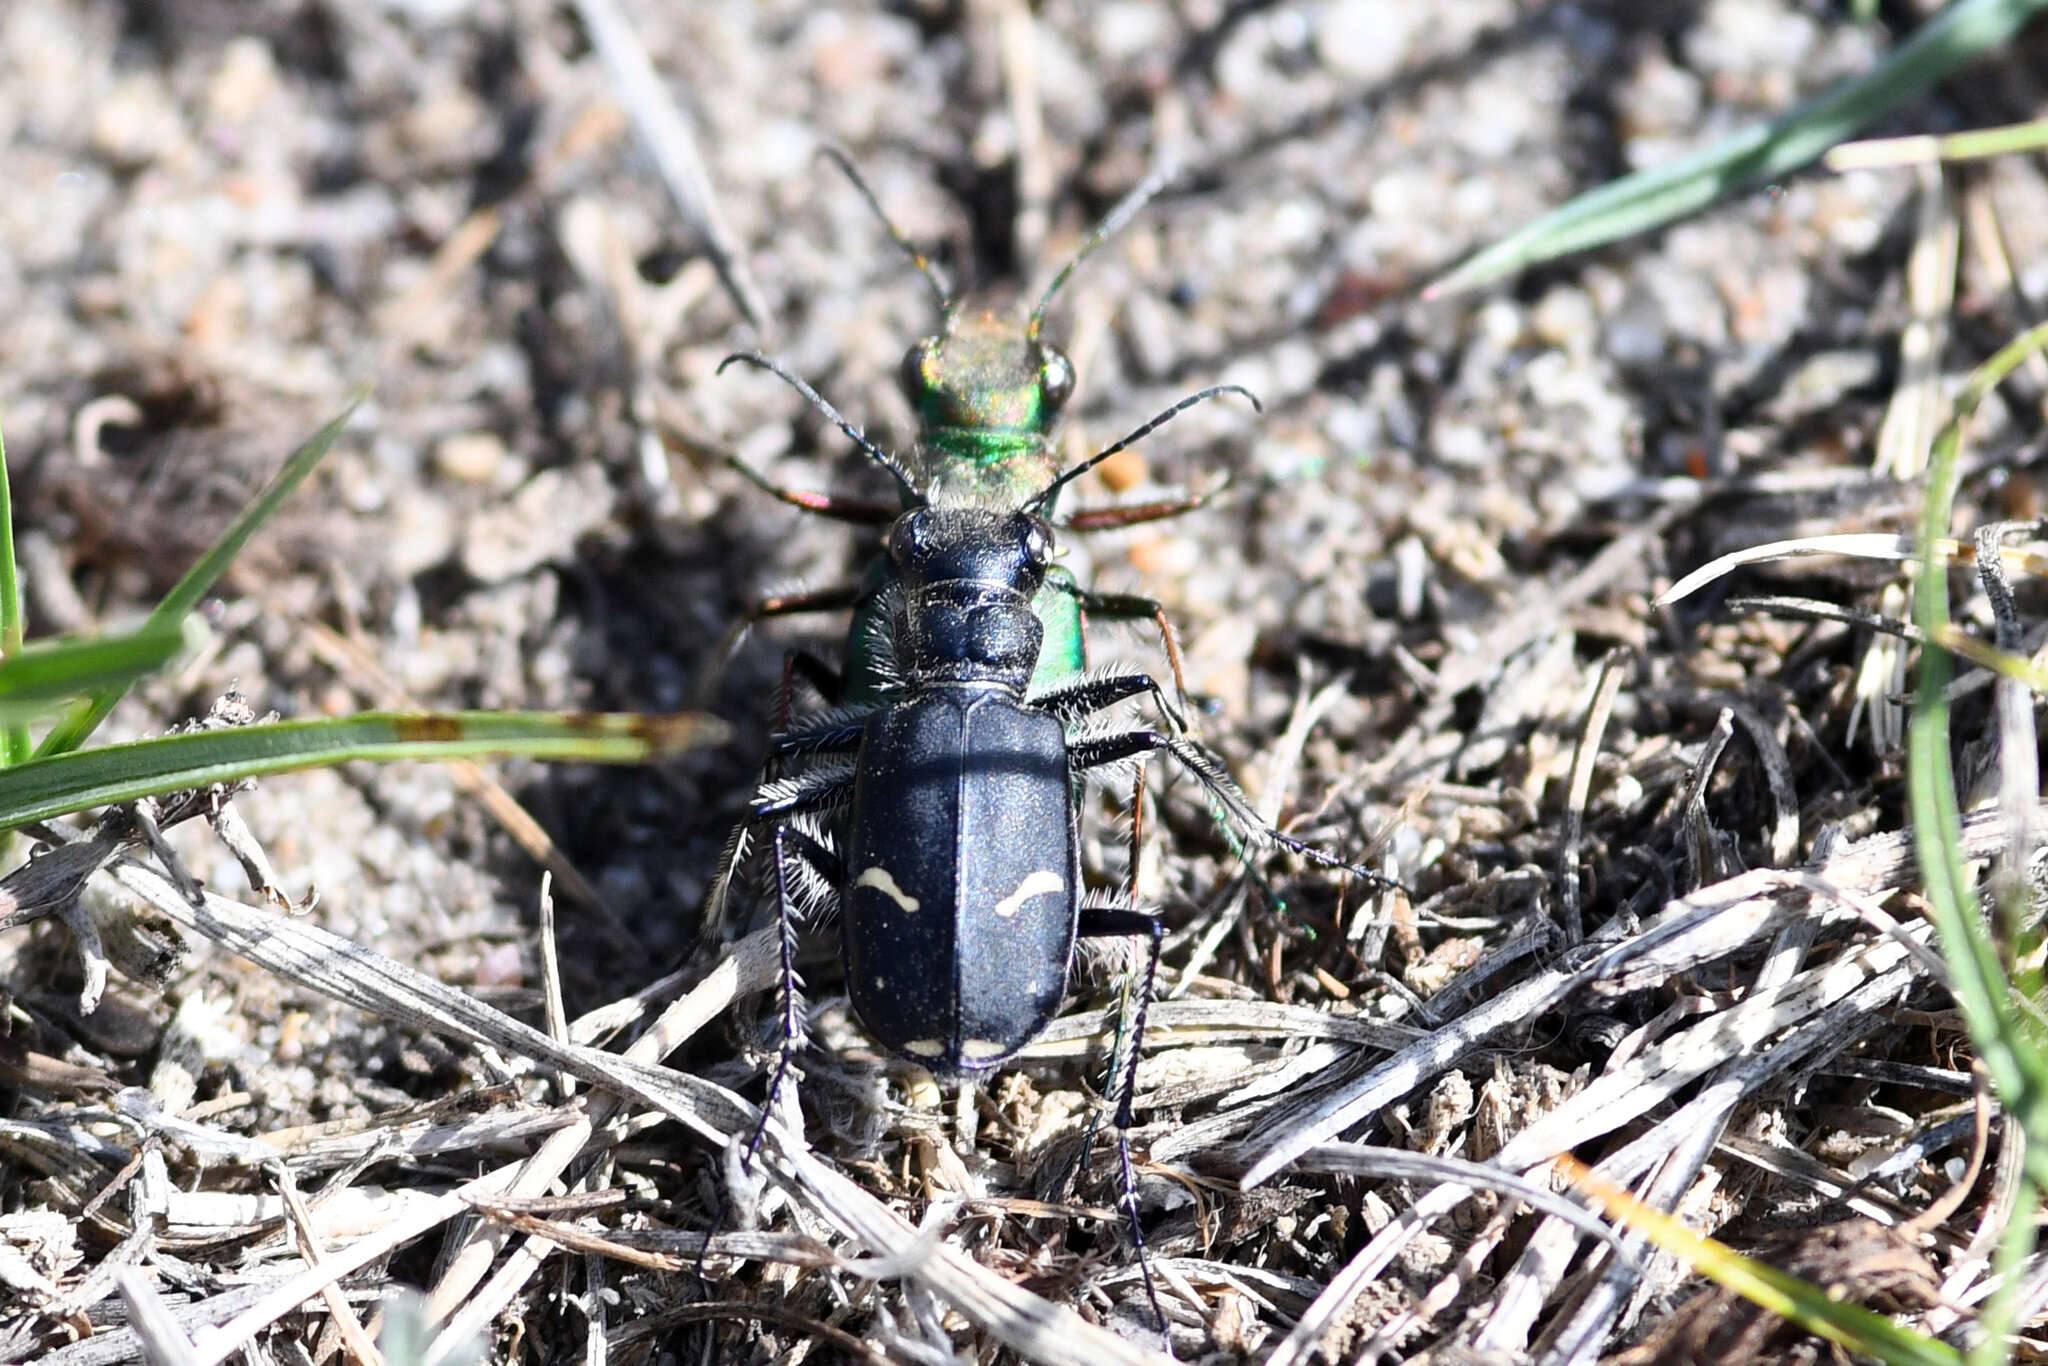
[[960, 878], [958, 946]]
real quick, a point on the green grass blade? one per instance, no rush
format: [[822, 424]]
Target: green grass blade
[[58, 784], [49, 671], [1859, 1330], [1979, 144], [1652, 198], [1999, 1031], [14, 742], [2000, 1316], [73, 730], [2019, 668]]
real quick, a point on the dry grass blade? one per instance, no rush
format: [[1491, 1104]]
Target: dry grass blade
[[747, 1311], [1910, 152], [1916, 410], [1583, 759], [1864, 545], [1361, 1159], [1691, 931], [163, 1342], [667, 138], [327, 963]]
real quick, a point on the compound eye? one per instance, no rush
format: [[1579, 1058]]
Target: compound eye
[[1038, 542], [907, 538], [1055, 377], [915, 372]]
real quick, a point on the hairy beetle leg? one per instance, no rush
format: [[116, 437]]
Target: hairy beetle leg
[[1137, 514], [1207, 769], [789, 843], [1103, 922], [1072, 701]]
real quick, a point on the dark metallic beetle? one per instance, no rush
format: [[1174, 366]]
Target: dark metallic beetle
[[949, 843], [937, 809]]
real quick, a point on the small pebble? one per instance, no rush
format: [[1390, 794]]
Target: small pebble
[[1123, 471], [1635, 332], [245, 82], [1659, 99], [499, 967], [1364, 40], [1500, 323], [1565, 318], [1823, 378], [1151, 331], [1123, 30], [441, 124], [422, 535], [1165, 557], [136, 123], [469, 457], [1460, 443]]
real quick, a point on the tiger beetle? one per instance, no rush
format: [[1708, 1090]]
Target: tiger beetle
[[936, 806]]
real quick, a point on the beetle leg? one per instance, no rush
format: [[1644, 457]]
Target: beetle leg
[[790, 843], [829, 683], [821, 676], [1131, 607], [1137, 829], [815, 671], [831, 734], [858, 511], [785, 1053], [1073, 700], [810, 791], [825, 874], [1119, 922], [1097, 751], [1136, 514]]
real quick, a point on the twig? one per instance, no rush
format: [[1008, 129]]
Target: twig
[[163, 1342], [666, 136], [1583, 760]]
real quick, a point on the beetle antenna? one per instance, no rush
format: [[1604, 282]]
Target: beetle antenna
[[1126, 208], [817, 401], [1045, 498], [910, 248]]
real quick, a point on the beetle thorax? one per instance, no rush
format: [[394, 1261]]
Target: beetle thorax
[[969, 576]]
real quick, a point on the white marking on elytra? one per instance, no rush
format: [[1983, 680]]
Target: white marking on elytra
[[1032, 885], [924, 1048], [878, 878], [981, 1050]]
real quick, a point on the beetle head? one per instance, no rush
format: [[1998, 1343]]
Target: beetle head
[[982, 374], [932, 545]]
